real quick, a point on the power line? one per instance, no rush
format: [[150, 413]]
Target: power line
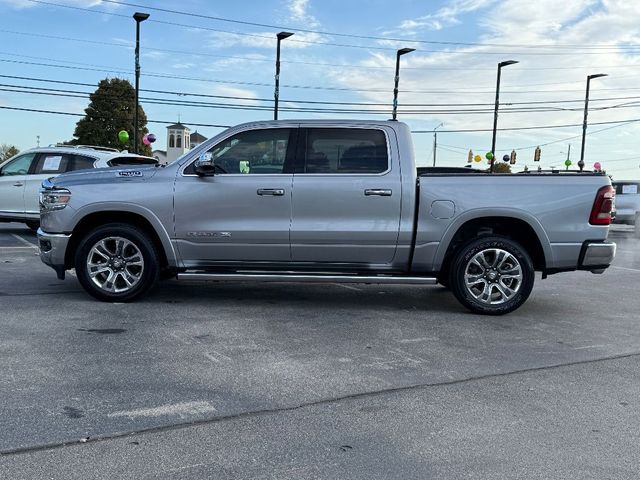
[[465, 130], [320, 64], [334, 110], [347, 35], [34, 110], [182, 93], [627, 49], [107, 69]]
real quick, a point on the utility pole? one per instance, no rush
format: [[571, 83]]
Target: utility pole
[[495, 112], [586, 112], [435, 143], [399, 53], [276, 94], [139, 18]]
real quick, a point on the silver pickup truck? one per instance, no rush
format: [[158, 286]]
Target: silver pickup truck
[[323, 201]]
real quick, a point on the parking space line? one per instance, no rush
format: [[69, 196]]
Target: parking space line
[[19, 248], [22, 240], [626, 268], [180, 409]]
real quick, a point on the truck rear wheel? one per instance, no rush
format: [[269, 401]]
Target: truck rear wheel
[[117, 263], [492, 275]]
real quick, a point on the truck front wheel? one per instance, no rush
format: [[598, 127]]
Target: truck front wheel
[[117, 263], [492, 275]]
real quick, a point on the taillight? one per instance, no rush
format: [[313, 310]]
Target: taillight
[[603, 206]]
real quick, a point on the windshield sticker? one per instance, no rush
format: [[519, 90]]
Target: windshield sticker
[[52, 163]]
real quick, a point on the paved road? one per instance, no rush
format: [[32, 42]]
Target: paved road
[[235, 380]]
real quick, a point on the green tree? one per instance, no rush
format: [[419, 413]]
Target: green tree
[[111, 109], [7, 151]]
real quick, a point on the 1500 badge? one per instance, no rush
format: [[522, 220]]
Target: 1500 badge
[[129, 173]]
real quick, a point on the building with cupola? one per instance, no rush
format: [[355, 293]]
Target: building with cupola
[[179, 141]]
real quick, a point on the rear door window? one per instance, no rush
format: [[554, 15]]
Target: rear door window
[[52, 163], [80, 162], [345, 150]]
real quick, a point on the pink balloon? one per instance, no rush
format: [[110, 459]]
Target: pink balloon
[[145, 140], [597, 166]]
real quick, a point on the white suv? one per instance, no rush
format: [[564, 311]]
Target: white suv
[[22, 175]]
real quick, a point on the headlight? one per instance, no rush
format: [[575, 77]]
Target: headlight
[[54, 199]]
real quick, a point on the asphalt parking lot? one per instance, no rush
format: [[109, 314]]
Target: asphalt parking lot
[[241, 380]]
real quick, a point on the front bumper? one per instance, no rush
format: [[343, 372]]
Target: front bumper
[[597, 255], [53, 249]]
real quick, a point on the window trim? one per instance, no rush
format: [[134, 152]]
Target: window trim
[[290, 156], [301, 158]]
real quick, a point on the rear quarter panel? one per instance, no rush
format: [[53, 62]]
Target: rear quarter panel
[[557, 207]]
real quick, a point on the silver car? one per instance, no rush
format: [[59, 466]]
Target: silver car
[[22, 175]]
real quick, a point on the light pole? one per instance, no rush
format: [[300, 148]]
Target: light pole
[[495, 111], [399, 53], [435, 142], [139, 18], [586, 111], [280, 36]]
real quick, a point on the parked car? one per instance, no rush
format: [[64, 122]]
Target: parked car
[[21, 176], [324, 201], [628, 203]]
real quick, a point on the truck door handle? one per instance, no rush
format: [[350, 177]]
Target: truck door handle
[[274, 192], [381, 192], [18, 184]]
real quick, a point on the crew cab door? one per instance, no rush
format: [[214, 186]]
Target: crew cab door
[[13, 178], [243, 212], [346, 196]]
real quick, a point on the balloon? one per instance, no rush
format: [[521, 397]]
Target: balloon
[[506, 158], [145, 140], [489, 156], [123, 136], [567, 163], [597, 166], [477, 158], [151, 137]]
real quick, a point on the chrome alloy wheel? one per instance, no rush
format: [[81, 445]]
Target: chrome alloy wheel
[[115, 264], [493, 276]]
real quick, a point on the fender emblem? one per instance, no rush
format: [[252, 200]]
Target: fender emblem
[[129, 173]]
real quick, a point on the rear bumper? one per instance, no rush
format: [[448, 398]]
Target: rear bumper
[[53, 249], [596, 255]]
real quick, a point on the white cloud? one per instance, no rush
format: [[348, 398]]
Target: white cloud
[[445, 16], [299, 12]]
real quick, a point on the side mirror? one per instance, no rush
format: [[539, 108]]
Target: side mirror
[[205, 165]]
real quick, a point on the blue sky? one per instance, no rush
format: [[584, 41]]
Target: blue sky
[[556, 47]]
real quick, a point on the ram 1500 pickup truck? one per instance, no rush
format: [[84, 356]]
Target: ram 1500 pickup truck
[[323, 201]]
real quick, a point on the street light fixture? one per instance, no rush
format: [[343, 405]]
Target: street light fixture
[[280, 36], [435, 142], [586, 110], [139, 18], [495, 112], [399, 53]]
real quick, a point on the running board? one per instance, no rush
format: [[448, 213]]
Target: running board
[[307, 278]]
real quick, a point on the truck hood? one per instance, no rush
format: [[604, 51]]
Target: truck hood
[[101, 176]]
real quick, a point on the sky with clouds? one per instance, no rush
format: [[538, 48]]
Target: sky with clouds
[[449, 79]]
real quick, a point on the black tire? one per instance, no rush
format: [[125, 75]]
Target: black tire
[[145, 276], [495, 279], [33, 226]]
